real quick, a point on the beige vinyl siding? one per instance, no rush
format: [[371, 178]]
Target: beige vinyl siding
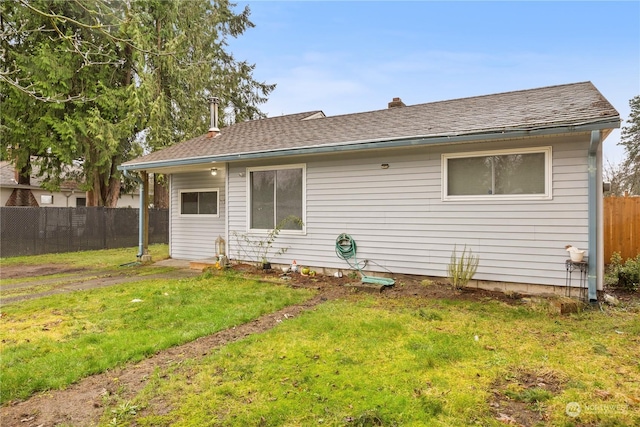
[[193, 236], [399, 220]]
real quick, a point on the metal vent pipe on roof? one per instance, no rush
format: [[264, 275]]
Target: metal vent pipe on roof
[[213, 106]]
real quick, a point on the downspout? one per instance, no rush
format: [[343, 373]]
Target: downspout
[[226, 209], [125, 172], [592, 274]]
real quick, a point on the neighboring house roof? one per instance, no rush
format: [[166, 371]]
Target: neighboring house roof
[[570, 107], [8, 178]]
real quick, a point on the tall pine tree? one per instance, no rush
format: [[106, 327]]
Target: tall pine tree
[[630, 140], [190, 65], [93, 83]]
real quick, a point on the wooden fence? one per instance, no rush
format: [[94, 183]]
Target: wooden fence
[[621, 227]]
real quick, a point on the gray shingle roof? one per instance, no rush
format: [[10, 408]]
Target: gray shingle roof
[[547, 107]]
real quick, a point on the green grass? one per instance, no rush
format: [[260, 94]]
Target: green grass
[[51, 342], [90, 265], [387, 363], [362, 361], [93, 259], [56, 281]]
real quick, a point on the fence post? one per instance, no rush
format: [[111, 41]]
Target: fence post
[[71, 230], [36, 234], [104, 227]]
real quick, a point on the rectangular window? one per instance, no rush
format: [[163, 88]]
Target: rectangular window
[[46, 199], [199, 202], [81, 202], [493, 175], [275, 194]]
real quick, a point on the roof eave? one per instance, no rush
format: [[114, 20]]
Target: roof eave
[[493, 135]]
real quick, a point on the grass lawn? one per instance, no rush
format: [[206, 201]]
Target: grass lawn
[[51, 342], [408, 362], [360, 360], [105, 259]]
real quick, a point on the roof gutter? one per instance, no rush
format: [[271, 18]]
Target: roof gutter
[[609, 123]]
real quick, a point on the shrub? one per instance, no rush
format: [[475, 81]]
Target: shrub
[[624, 276], [258, 247], [462, 269]]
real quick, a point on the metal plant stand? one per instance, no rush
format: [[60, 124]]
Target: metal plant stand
[[581, 267]]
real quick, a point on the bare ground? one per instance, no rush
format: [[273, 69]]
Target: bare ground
[[82, 403]]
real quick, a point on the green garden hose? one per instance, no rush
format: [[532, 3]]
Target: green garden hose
[[346, 250]]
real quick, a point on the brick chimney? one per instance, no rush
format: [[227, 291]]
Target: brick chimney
[[397, 102], [213, 107]]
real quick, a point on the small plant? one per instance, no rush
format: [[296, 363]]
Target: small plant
[[258, 248], [529, 395], [427, 282], [462, 269], [624, 276], [123, 411]]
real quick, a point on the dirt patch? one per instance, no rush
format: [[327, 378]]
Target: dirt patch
[[19, 271], [623, 295], [405, 286], [520, 397]]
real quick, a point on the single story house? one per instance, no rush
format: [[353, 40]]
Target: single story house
[[514, 176]]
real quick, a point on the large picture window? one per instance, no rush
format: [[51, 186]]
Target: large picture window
[[510, 174], [275, 194], [199, 202]]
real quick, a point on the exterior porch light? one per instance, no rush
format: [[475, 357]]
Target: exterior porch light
[[214, 171]]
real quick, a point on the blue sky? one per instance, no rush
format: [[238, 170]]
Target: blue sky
[[347, 57]]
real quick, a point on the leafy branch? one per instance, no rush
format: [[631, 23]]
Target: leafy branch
[[259, 248]]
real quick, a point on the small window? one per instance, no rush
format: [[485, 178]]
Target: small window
[[199, 202], [81, 202], [46, 199], [276, 194], [492, 175]]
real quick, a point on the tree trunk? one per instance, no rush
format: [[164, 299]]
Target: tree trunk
[[93, 196], [112, 193], [160, 192]]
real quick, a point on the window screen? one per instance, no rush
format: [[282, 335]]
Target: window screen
[[199, 203], [500, 174], [275, 195]]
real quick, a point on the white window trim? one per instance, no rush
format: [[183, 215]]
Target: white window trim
[[548, 195], [302, 166], [199, 190]]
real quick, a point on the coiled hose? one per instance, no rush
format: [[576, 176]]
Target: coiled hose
[[346, 249]]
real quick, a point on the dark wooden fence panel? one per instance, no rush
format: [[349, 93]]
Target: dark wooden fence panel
[[34, 231], [621, 227]]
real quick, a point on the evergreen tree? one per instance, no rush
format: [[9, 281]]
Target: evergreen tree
[[93, 83], [191, 65], [630, 140]]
